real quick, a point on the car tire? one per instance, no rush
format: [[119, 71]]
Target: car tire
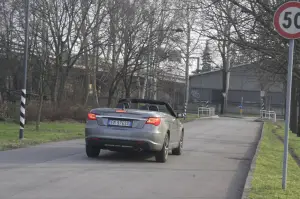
[[92, 152], [162, 155], [178, 150]]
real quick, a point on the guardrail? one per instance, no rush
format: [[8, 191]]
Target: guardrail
[[268, 115], [204, 111]]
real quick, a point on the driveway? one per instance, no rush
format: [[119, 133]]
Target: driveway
[[214, 165]]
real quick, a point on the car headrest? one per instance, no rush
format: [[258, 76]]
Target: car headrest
[[153, 108]]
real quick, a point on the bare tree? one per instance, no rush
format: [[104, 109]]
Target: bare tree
[[188, 19], [75, 44], [69, 26], [219, 28]]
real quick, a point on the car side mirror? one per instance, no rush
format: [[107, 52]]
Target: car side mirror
[[179, 115]]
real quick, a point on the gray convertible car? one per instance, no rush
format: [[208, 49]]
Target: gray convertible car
[[135, 125]]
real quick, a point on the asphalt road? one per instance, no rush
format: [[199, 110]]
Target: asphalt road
[[214, 165]]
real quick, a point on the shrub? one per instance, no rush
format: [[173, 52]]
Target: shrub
[[64, 112], [3, 111]]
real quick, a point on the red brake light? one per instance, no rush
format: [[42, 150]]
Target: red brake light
[[91, 116], [154, 121]]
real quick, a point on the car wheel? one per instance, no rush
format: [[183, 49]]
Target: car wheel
[[162, 155], [178, 150], [92, 152]]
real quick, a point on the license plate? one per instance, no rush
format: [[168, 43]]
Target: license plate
[[119, 123]]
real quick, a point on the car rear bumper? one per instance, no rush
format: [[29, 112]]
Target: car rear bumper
[[148, 138], [122, 144]]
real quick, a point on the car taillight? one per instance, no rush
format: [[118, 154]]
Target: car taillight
[[120, 111], [91, 116], [154, 121]]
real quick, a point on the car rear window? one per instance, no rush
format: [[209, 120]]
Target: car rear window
[[144, 106]]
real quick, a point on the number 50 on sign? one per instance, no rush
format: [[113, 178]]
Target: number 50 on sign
[[287, 20]]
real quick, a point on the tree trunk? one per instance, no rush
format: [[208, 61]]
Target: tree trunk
[[41, 83], [61, 89], [145, 85], [84, 11], [55, 86], [94, 79], [187, 61], [224, 81], [138, 84], [111, 93], [149, 51], [155, 87], [41, 100], [39, 113], [128, 91], [113, 51], [87, 86]]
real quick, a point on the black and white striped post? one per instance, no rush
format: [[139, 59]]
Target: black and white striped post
[[22, 112], [263, 103], [262, 98], [23, 92], [185, 107]]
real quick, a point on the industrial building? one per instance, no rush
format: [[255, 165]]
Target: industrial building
[[247, 83]]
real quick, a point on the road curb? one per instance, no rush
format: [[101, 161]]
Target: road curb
[[247, 186], [202, 118], [211, 117], [240, 117]]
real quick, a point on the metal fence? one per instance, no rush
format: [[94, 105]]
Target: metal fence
[[207, 112], [269, 115]]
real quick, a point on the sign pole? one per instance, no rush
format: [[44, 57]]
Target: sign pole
[[23, 91], [288, 112]]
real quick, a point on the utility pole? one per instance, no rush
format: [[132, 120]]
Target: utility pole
[[187, 62], [23, 92]]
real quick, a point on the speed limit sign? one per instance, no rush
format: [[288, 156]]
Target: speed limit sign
[[287, 20], [287, 24]]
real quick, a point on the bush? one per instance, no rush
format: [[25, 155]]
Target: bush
[[3, 111], [64, 112], [79, 113], [9, 110]]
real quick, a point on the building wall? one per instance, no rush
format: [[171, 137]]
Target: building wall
[[245, 85], [212, 80]]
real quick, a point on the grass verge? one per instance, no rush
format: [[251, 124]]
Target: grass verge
[[266, 183], [49, 132], [294, 141]]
